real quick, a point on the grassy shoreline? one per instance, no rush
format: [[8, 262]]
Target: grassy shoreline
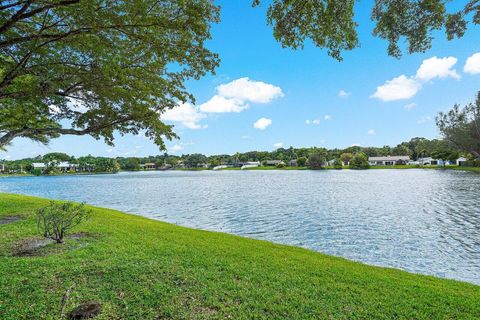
[[144, 269]]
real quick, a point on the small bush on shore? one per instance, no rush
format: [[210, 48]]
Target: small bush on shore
[[56, 219]]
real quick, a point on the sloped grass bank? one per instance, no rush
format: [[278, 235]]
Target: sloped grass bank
[[143, 269]]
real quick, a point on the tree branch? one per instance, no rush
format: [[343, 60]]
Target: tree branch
[[27, 132], [21, 14]]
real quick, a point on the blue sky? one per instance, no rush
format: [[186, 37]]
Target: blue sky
[[297, 94]]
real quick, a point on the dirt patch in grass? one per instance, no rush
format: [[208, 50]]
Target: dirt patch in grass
[[10, 219], [43, 246], [31, 247]]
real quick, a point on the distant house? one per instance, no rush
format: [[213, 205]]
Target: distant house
[[250, 164], [150, 166], [39, 165], [66, 166], [165, 166], [461, 161], [273, 162], [293, 163], [429, 161], [388, 160], [223, 166]]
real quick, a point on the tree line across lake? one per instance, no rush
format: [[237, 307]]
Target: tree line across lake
[[313, 157]]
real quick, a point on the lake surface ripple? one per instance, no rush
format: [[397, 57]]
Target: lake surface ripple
[[425, 221]]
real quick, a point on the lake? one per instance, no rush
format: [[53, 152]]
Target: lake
[[424, 221]]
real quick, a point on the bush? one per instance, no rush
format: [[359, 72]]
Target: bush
[[56, 219], [302, 161], [36, 172], [337, 164], [359, 161]]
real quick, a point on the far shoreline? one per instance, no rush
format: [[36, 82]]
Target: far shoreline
[[397, 167]]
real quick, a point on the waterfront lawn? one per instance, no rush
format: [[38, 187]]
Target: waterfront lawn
[[143, 269]]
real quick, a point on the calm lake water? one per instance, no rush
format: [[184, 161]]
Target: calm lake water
[[425, 221]]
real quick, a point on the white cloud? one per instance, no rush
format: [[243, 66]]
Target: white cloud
[[249, 90], [219, 104], [472, 65], [245, 137], [410, 106], [109, 150], [235, 96], [355, 145], [327, 117], [437, 68], [278, 145], [371, 132], [175, 148], [186, 114], [403, 87], [398, 88], [262, 123], [343, 94], [315, 122]]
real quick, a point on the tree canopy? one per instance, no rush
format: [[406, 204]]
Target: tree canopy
[[331, 24], [95, 67], [461, 127], [103, 66]]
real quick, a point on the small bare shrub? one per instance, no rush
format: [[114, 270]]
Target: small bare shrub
[[56, 219]]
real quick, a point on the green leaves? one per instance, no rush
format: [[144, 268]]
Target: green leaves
[[100, 66], [328, 24], [331, 25], [461, 127]]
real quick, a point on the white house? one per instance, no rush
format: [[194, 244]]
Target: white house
[[39, 165], [461, 161], [222, 167], [67, 166], [388, 160]]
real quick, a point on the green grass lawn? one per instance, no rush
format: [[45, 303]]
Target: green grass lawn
[[144, 269]]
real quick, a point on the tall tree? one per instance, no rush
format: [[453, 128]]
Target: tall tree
[[461, 127], [100, 66], [317, 159]]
